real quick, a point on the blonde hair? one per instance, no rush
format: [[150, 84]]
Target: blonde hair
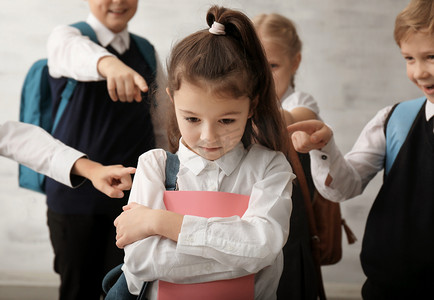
[[232, 64], [281, 31], [417, 16]]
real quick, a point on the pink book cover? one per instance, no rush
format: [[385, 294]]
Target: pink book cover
[[207, 204]]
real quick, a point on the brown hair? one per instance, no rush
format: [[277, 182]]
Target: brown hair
[[417, 16], [280, 30], [232, 64]]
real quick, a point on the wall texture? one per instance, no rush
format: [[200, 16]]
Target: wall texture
[[351, 65]]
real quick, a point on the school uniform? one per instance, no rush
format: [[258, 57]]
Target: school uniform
[[35, 148], [293, 99], [81, 220], [211, 249], [398, 242], [299, 277]]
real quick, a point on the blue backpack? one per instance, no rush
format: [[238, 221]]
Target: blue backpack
[[398, 125], [36, 102]]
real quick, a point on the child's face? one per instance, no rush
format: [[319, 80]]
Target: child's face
[[210, 125], [114, 14], [282, 66], [418, 51]]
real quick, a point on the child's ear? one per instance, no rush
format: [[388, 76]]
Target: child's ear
[[296, 62], [168, 93]]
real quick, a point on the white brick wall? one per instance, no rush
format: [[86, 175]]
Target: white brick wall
[[350, 64]]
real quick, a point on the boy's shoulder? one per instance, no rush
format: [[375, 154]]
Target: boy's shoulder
[[397, 126], [405, 110]]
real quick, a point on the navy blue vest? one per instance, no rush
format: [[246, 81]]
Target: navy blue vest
[[108, 132], [398, 246]]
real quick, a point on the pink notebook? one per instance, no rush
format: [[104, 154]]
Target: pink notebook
[[208, 204]]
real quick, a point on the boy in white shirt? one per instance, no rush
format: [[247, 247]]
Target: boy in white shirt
[[398, 245], [112, 117]]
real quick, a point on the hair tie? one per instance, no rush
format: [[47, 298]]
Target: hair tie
[[217, 28]]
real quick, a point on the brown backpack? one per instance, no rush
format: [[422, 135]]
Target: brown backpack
[[325, 224]]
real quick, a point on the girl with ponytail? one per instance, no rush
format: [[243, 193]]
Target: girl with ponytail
[[229, 137]]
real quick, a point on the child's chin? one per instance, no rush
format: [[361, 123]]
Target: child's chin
[[430, 98]]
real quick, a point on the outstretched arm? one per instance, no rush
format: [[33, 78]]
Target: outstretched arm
[[111, 180], [123, 83], [35, 148], [72, 55], [309, 135]]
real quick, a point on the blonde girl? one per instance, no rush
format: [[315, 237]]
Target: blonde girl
[[283, 47], [229, 137]]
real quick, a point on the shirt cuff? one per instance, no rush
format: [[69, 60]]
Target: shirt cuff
[[61, 167], [192, 235]]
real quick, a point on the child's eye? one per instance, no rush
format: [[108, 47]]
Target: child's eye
[[274, 66], [227, 121], [192, 119], [431, 57], [408, 58]]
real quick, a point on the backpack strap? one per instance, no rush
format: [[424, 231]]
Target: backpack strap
[[115, 275], [85, 30], [303, 186], [397, 127], [172, 169]]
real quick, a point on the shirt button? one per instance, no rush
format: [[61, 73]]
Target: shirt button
[[323, 157]]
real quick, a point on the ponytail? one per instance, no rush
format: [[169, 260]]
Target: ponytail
[[229, 57]]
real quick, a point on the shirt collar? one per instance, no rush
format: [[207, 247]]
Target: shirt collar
[[429, 110], [106, 36], [196, 164]]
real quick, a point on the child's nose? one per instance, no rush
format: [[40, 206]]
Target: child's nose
[[209, 134], [420, 71]]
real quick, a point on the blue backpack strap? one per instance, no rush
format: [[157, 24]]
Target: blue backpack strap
[[398, 126], [114, 278], [85, 30], [172, 169]]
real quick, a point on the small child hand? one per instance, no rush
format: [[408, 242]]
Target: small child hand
[[133, 224], [112, 180], [309, 135], [123, 83]]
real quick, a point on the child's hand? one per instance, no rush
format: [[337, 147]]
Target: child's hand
[[123, 83], [132, 224], [309, 135], [112, 180], [138, 222]]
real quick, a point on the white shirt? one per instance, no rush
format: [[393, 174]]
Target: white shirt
[[73, 55], [35, 148], [292, 99], [216, 248], [351, 173]]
